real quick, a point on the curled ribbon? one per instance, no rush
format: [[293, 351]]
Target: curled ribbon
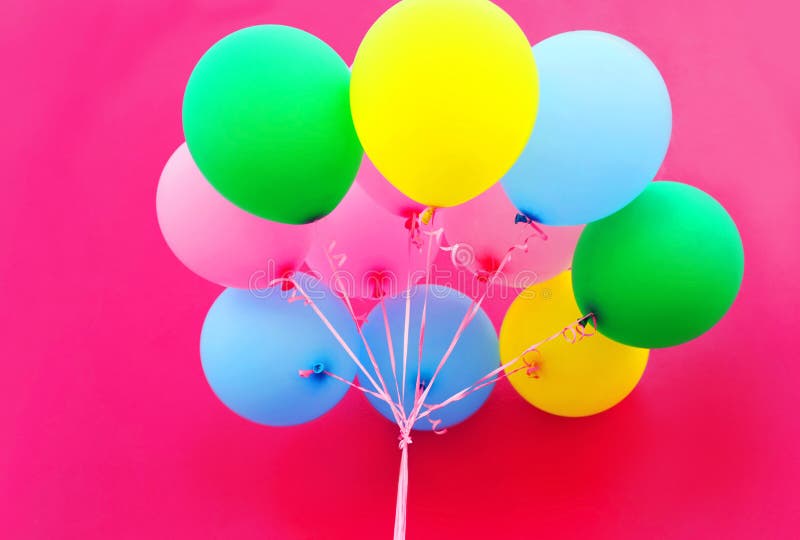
[[435, 426], [532, 366], [338, 258]]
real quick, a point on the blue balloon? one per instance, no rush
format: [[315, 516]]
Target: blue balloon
[[601, 133], [475, 355], [254, 343]]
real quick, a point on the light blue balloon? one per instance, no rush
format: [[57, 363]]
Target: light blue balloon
[[601, 133], [254, 343], [475, 355]]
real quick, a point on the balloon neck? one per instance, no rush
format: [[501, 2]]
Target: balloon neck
[[533, 370], [532, 359], [378, 285], [487, 269], [361, 318], [427, 215], [521, 218], [584, 321], [285, 275], [317, 368]]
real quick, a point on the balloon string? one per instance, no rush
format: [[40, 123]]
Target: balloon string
[[474, 308], [405, 338], [405, 438], [413, 241], [423, 319], [402, 494], [352, 384], [390, 345], [572, 333], [468, 316], [402, 486], [397, 409], [404, 422], [309, 302]]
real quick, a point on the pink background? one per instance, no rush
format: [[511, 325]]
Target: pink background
[[110, 431]]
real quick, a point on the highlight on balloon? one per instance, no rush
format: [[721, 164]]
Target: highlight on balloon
[[361, 219]]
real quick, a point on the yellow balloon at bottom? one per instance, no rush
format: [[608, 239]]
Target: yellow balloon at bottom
[[572, 379]]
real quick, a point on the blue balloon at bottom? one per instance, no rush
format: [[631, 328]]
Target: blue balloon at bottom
[[254, 343], [475, 355]]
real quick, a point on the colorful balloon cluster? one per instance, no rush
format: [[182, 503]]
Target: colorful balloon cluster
[[531, 168]]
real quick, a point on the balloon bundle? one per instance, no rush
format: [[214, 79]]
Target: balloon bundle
[[523, 171]]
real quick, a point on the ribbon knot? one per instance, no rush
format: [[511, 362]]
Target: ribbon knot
[[533, 365], [405, 439], [532, 370]]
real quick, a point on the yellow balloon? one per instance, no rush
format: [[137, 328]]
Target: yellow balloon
[[444, 95], [574, 379]]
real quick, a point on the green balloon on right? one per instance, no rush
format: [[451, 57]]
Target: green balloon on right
[[661, 271]]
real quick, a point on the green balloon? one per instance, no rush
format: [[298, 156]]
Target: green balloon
[[662, 270], [266, 116]]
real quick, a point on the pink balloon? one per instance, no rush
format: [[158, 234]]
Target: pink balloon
[[385, 193], [482, 231], [217, 240], [371, 251]]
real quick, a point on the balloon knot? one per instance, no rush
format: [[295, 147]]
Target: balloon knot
[[521, 218], [427, 215], [404, 439], [287, 285], [483, 276], [420, 389], [587, 319], [533, 364], [378, 285], [317, 368], [533, 370]]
